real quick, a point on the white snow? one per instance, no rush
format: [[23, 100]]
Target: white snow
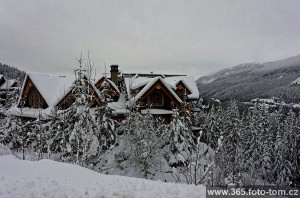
[[152, 82], [114, 85], [189, 81], [7, 84], [210, 80], [134, 83], [46, 178], [30, 112], [296, 82], [106, 79], [157, 111]]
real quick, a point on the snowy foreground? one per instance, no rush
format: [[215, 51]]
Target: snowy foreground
[[48, 178]]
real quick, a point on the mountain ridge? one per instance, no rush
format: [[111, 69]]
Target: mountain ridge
[[253, 80]]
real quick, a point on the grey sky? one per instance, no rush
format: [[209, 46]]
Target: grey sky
[[165, 36]]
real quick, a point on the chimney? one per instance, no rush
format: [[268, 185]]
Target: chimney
[[114, 71]]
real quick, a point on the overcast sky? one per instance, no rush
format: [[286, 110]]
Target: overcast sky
[[164, 36]]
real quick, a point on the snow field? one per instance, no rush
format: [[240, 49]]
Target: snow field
[[48, 178]]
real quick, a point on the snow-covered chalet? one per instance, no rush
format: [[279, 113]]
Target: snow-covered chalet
[[157, 94], [6, 85]]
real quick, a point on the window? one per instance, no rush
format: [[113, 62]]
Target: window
[[180, 93], [156, 99]]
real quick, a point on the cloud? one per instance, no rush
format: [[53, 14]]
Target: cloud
[[169, 36]]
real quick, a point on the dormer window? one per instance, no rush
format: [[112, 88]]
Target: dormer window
[[156, 99], [180, 93]]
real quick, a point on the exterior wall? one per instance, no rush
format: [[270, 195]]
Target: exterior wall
[[31, 97]]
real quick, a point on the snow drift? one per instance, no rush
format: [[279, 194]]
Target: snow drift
[[48, 178]]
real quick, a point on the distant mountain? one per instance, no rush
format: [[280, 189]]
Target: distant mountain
[[253, 80]]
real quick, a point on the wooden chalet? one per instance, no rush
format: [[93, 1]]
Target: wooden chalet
[[156, 94], [41, 92], [6, 85], [159, 94]]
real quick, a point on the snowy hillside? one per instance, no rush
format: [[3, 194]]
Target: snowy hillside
[[253, 80], [48, 178]]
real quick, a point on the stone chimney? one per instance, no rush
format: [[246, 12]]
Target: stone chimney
[[114, 71]]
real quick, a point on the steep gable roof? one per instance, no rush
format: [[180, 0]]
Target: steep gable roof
[[150, 84], [189, 83], [52, 88], [137, 81], [8, 84], [103, 78]]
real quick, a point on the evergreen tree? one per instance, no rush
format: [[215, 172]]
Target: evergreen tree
[[181, 139], [213, 125], [80, 124], [231, 148], [283, 167], [103, 113], [57, 136], [38, 133], [257, 143]]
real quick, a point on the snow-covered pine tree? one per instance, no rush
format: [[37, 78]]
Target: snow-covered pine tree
[[231, 148], [8, 131], [80, 124], [213, 127], [199, 116], [38, 134], [11, 97], [283, 167], [257, 144], [106, 133], [181, 139], [292, 135], [18, 133], [57, 136]]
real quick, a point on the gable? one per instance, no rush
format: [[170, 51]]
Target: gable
[[181, 86], [157, 84], [54, 90], [189, 83], [114, 91], [31, 96]]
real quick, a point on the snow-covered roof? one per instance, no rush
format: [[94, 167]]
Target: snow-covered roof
[[119, 107], [134, 83], [172, 81], [296, 82], [52, 88], [7, 84], [157, 111], [188, 81], [149, 85], [30, 112], [114, 85], [109, 81]]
